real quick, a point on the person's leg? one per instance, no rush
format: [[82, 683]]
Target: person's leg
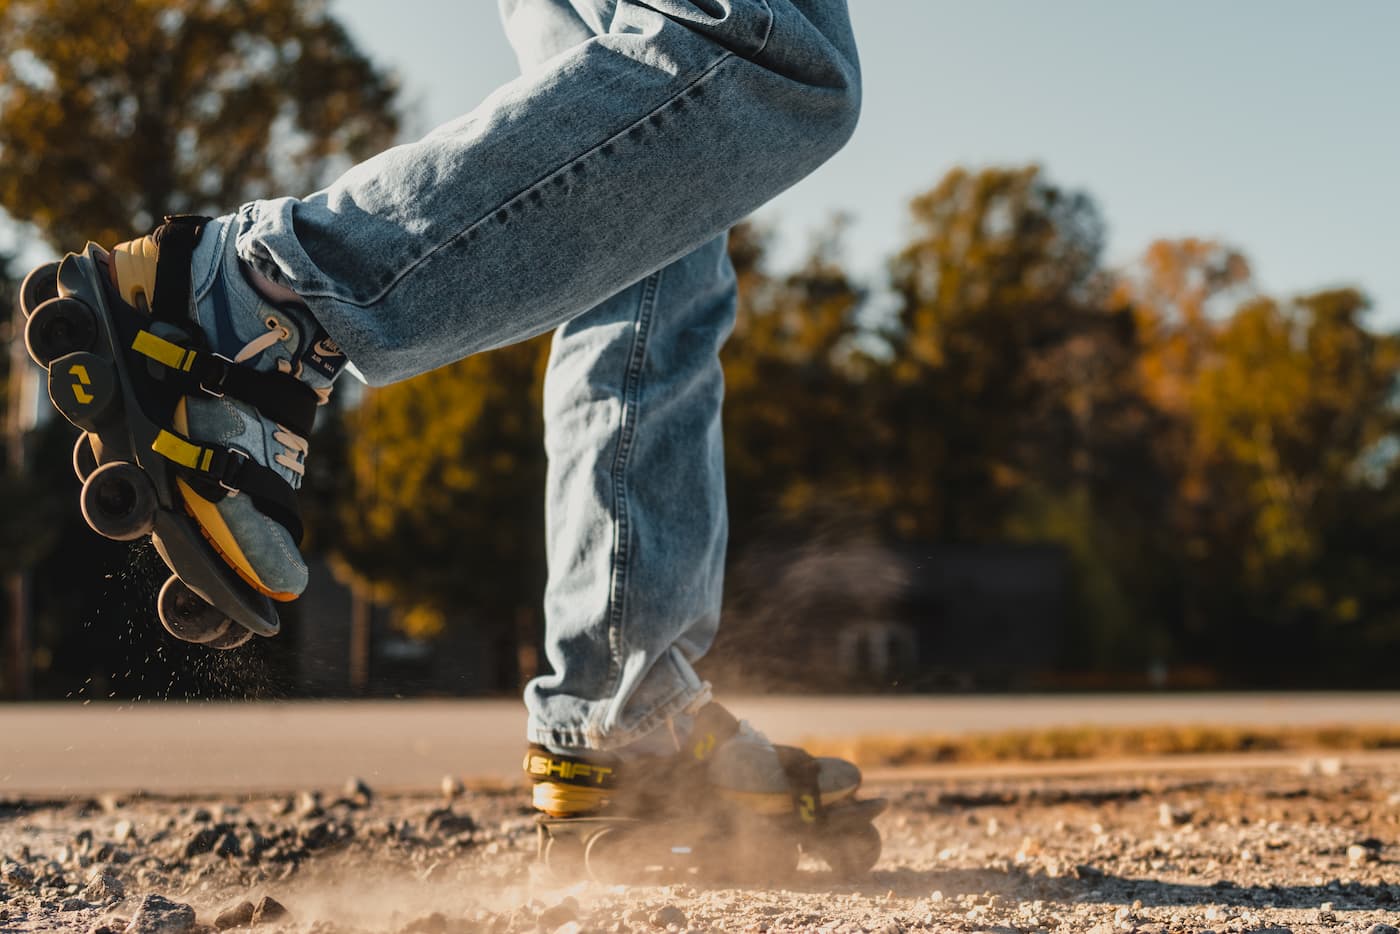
[[635, 487], [637, 522], [588, 173]]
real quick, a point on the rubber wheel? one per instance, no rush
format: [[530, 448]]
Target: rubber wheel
[[187, 617], [606, 856], [233, 637], [84, 457], [564, 857], [853, 854], [58, 327], [119, 502], [39, 286]]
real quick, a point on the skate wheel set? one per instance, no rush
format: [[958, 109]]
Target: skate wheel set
[[617, 822], [114, 377], [727, 845]]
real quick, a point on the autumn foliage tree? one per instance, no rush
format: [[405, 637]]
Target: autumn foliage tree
[[113, 115]]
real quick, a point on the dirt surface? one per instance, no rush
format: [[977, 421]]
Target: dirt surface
[[1312, 847]]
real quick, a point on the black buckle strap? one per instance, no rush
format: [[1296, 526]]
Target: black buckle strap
[[176, 239], [279, 396], [222, 471]]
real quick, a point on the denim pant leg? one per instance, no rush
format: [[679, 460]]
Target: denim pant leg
[[636, 515], [635, 508], [609, 161]]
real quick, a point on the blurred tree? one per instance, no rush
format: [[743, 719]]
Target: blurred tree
[[113, 115], [1012, 407], [797, 417], [441, 509], [1280, 443], [1001, 275]]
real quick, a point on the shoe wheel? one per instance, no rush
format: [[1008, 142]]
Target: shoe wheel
[[119, 501], [190, 618], [58, 327], [39, 286], [606, 856], [84, 456], [852, 854], [564, 857], [233, 637]]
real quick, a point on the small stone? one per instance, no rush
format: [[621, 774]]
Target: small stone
[[234, 916], [452, 788], [450, 824], [1359, 853], [357, 791], [268, 909], [21, 877], [667, 916], [74, 904], [569, 927], [158, 915], [1169, 816], [103, 886], [1379, 928], [202, 842], [559, 914], [123, 831], [309, 804]]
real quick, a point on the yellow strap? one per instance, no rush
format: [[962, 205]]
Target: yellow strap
[[163, 351], [175, 448]]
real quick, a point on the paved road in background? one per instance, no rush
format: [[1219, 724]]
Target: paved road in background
[[174, 748]]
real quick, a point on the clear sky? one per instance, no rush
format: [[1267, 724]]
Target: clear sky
[[1271, 124]]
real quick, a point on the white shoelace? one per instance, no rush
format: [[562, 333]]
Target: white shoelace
[[295, 447]]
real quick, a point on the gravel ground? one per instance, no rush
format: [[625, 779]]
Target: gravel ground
[[1305, 849]]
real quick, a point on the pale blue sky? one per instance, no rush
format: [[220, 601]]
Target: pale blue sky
[[1271, 124]]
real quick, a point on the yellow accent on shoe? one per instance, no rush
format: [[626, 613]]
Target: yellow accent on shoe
[[134, 264], [559, 800], [163, 351], [215, 529], [182, 451], [776, 803]]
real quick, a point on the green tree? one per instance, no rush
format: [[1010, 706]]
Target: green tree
[[113, 115], [1012, 407], [796, 430], [441, 508]]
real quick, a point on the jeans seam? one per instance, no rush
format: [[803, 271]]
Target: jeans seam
[[768, 29], [631, 414], [542, 182]]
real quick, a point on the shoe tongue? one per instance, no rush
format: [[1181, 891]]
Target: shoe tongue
[[322, 358]]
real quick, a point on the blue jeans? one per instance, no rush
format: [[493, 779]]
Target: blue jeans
[[590, 195]]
